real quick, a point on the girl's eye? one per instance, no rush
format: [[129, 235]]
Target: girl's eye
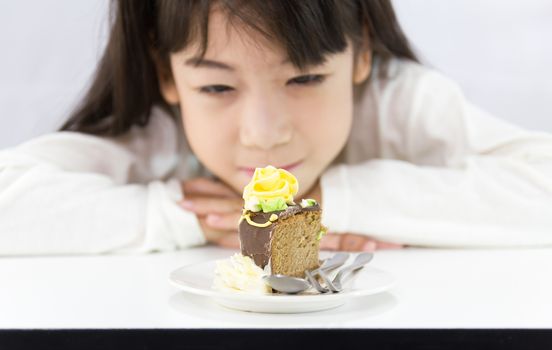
[[310, 79], [215, 89]]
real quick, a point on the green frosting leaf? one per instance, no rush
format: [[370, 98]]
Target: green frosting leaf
[[275, 204], [305, 203]]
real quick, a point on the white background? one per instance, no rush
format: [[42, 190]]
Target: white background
[[499, 51]]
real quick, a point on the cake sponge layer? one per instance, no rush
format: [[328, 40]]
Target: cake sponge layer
[[294, 247]]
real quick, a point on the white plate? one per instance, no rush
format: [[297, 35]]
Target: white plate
[[198, 279]]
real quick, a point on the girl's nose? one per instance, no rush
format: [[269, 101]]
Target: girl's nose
[[265, 124]]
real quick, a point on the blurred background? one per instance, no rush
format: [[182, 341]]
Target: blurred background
[[500, 52]]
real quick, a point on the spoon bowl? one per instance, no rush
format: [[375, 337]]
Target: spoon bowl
[[287, 284], [336, 260]]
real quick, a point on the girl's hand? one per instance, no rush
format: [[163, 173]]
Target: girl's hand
[[218, 209], [351, 242], [347, 241]]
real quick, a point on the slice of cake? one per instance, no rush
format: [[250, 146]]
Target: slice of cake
[[280, 236]]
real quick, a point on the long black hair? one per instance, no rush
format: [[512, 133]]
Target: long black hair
[[145, 32]]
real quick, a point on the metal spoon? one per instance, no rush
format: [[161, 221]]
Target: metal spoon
[[294, 285], [287, 284], [336, 260]]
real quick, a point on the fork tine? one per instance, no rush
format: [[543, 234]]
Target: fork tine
[[334, 288]]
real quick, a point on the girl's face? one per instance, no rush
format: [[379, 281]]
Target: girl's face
[[245, 106]]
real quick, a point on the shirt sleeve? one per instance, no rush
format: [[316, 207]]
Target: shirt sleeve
[[449, 174], [69, 193]]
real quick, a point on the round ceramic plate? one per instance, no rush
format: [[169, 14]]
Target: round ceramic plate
[[198, 279]]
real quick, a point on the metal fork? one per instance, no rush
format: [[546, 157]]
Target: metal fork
[[359, 262], [340, 259], [314, 282]]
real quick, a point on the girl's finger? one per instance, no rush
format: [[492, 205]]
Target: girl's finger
[[369, 246], [331, 241], [206, 205], [223, 221], [353, 243], [229, 240], [205, 186], [388, 245]]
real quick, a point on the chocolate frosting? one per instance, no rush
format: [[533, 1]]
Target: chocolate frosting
[[255, 241]]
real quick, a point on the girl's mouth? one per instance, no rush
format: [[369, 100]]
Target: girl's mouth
[[289, 167]]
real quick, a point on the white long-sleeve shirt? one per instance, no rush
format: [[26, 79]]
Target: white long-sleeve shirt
[[422, 166]]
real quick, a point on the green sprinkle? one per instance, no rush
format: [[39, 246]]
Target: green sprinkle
[[322, 232]]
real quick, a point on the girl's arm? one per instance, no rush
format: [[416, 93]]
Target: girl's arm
[[68, 193], [449, 174]]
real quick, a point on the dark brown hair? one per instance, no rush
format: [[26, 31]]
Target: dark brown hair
[[125, 86]]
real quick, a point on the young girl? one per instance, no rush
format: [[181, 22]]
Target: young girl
[[191, 96]]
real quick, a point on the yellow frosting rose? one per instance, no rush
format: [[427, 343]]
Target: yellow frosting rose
[[270, 183]]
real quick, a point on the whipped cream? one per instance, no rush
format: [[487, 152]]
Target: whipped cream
[[240, 274]]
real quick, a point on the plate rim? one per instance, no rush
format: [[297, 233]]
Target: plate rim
[[276, 298]]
